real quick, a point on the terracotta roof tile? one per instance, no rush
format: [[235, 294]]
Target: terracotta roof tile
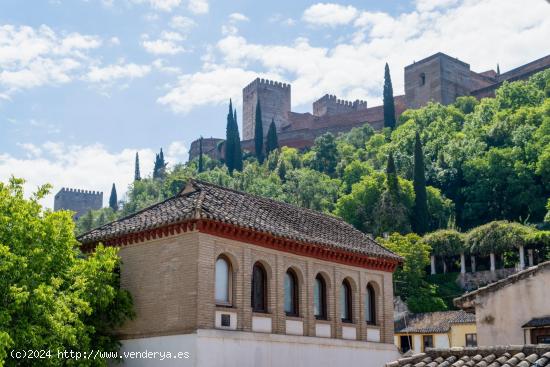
[[201, 200], [432, 322]]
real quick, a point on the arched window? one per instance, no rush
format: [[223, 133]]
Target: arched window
[[422, 79], [291, 293], [223, 281], [345, 301], [370, 305], [259, 288], [320, 298]]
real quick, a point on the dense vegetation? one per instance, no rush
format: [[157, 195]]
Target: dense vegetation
[[52, 296], [453, 167]]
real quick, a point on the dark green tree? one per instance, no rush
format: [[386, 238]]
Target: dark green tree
[[259, 134], [326, 154], [229, 139], [237, 150], [159, 169], [113, 200], [420, 217], [389, 105], [137, 174], [391, 177], [272, 142], [201, 163]]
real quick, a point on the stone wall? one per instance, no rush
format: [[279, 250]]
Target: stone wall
[[79, 201], [330, 105]]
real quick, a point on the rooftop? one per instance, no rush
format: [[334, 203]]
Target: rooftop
[[432, 322], [466, 300], [537, 322], [202, 200], [512, 355]]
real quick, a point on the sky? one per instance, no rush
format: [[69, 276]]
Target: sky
[[85, 84]]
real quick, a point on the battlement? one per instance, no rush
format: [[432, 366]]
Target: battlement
[[329, 104], [265, 82], [79, 191]]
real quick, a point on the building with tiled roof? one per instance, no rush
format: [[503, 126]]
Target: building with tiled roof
[[505, 356], [226, 275], [443, 329], [514, 310]]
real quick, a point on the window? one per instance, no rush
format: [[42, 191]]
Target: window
[[427, 341], [370, 305], [223, 281], [471, 340], [422, 79], [320, 298], [291, 293], [259, 288], [345, 301]]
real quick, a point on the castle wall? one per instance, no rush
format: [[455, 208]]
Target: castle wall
[[210, 146], [330, 105], [275, 103], [79, 201]]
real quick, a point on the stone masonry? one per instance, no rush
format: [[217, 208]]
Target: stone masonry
[[79, 201]]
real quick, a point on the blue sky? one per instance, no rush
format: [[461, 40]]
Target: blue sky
[[86, 84]]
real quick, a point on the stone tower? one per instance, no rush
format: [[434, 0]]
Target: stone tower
[[330, 105], [275, 102], [79, 201], [438, 78]]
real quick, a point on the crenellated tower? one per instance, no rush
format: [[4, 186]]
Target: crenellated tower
[[330, 105], [79, 201], [275, 102]]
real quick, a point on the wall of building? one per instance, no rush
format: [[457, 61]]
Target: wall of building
[[330, 105], [458, 334], [214, 348], [501, 313], [79, 201], [275, 102], [441, 340]]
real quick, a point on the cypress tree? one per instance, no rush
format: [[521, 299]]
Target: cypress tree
[[259, 134], [272, 142], [113, 201], [137, 174], [159, 169], [391, 177], [201, 168], [498, 69], [420, 219], [229, 140], [237, 150], [389, 105]]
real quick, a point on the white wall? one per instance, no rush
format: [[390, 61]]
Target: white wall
[[220, 348], [441, 341]]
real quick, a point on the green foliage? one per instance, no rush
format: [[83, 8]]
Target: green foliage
[[410, 278], [311, 189], [389, 104], [445, 242], [233, 151], [272, 142], [159, 168], [447, 286], [113, 200], [497, 236], [391, 177], [420, 210], [201, 158], [325, 156], [51, 295], [259, 134], [137, 172]]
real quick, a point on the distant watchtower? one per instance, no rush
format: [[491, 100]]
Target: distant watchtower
[[438, 78], [79, 201], [329, 105], [275, 102]]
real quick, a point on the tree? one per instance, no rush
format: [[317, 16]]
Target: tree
[[391, 177], [52, 296], [326, 154], [420, 216], [389, 104], [159, 168], [446, 242], [201, 163], [230, 140], [272, 142], [311, 189], [259, 134], [237, 150], [113, 201], [137, 174]]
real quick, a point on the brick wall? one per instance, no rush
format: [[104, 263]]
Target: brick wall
[[172, 282]]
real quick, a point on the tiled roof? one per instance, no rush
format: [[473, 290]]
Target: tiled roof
[[201, 200], [432, 322], [509, 356], [538, 322], [466, 301]]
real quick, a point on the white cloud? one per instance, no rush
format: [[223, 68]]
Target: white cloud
[[165, 5], [110, 73], [70, 166], [198, 6], [238, 17], [167, 44], [480, 33], [182, 24], [33, 57], [114, 41], [329, 14], [208, 86], [160, 65]]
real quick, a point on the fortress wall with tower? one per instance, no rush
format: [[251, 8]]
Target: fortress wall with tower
[[79, 201]]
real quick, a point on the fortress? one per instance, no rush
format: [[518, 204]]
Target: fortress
[[437, 78], [79, 201]]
